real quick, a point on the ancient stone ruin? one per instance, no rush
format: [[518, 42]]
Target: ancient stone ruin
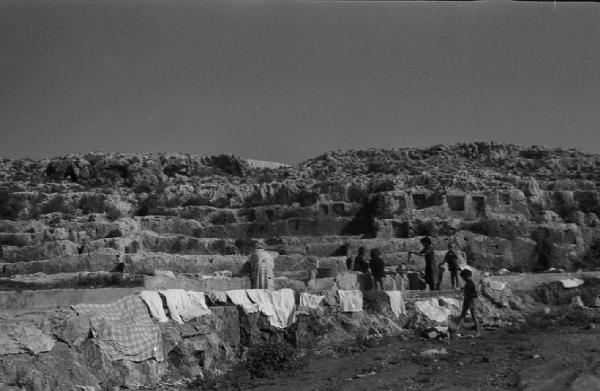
[[96, 228]]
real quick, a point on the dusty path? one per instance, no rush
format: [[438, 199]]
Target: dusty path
[[490, 362]]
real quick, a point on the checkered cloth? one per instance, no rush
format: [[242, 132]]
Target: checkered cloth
[[124, 329]]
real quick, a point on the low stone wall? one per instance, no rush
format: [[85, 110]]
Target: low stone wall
[[203, 285], [39, 299]]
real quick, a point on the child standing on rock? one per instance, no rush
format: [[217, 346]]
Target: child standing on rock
[[470, 300], [428, 252], [452, 260], [377, 265]]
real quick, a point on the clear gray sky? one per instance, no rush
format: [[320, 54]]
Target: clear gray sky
[[287, 80]]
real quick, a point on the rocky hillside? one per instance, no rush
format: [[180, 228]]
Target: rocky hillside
[[505, 206]]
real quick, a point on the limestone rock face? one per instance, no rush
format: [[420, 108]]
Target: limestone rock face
[[128, 222], [502, 205]]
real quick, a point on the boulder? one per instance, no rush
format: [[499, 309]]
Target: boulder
[[60, 369], [121, 372], [585, 382], [454, 305], [432, 310], [19, 338], [571, 283], [497, 292], [74, 331], [576, 302]]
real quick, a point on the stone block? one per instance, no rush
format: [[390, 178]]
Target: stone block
[[347, 281], [321, 284], [294, 263], [295, 285]]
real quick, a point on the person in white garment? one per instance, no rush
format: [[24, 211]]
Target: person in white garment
[[261, 268]]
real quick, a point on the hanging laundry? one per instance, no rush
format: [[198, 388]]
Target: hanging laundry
[[155, 305], [396, 302], [279, 306], [284, 303], [185, 305], [351, 301], [124, 329], [263, 299], [217, 296], [240, 297], [309, 300]]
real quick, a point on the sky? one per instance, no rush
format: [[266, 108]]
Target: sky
[[288, 80]]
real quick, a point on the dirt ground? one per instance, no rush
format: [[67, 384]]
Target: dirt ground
[[547, 358]]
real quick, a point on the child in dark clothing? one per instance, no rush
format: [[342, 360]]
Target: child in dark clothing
[[470, 300], [431, 274], [377, 265], [360, 263], [349, 259], [452, 260]]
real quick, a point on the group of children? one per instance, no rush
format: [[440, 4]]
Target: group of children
[[433, 278], [433, 274], [374, 267]]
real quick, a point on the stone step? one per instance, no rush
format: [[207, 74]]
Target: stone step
[[299, 226], [298, 266], [196, 284], [149, 241], [22, 239], [305, 245], [22, 226], [169, 225], [37, 252], [77, 280], [275, 212], [335, 245], [50, 298], [147, 263], [182, 244], [106, 260], [20, 234]]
